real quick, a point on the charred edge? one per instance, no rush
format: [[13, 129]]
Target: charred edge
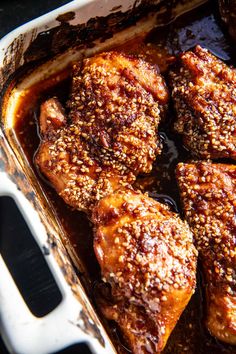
[[18, 176], [85, 323], [31, 197], [46, 251], [68, 16], [63, 259], [116, 8], [51, 241], [60, 38], [15, 50], [3, 159]]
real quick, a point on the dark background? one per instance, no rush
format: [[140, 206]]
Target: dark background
[[13, 13], [17, 247]]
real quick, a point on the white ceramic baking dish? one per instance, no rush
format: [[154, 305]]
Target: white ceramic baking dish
[[74, 320]]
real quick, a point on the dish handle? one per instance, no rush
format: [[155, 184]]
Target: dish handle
[[24, 333]]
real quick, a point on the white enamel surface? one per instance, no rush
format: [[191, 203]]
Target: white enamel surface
[[23, 332]]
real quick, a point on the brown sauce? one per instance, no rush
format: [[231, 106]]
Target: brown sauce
[[160, 47]]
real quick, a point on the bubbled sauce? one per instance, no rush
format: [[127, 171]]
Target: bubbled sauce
[[201, 26]]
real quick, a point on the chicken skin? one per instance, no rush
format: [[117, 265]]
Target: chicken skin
[[110, 136], [208, 193], [204, 95], [146, 254]]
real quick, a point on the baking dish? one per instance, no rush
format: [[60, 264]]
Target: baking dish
[[75, 316]]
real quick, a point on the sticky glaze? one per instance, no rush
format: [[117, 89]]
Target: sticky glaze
[[160, 47]]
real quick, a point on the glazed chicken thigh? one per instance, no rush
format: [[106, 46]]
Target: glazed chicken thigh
[[110, 135], [208, 193], [146, 254], [204, 95]]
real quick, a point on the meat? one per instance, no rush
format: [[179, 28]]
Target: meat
[[111, 136], [204, 95], [52, 116], [208, 193], [146, 254], [228, 15]]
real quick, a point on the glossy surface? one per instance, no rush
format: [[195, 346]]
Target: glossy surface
[[147, 256], [109, 137], [208, 195], [12, 14], [203, 90], [190, 335]]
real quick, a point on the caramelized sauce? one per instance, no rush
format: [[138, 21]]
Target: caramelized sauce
[[160, 47]]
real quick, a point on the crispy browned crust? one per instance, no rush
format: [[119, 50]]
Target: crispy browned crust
[[208, 193], [117, 100], [204, 95], [115, 108], [147, 255], [52, 116]]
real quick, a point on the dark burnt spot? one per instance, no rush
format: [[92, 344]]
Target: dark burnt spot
[[68, 16], [31, 196], [60, 38], [18, 175], [3, 159], [116, 8], [46, 250], [89, 327], [51, 242]]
